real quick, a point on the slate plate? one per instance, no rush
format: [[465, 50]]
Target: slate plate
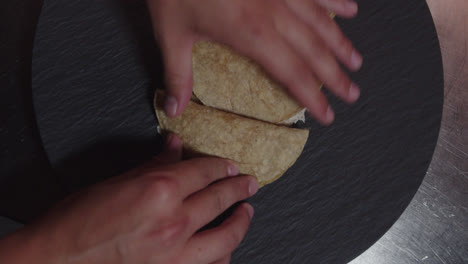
[[95, 66]]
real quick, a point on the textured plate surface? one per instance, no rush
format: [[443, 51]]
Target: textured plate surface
[[95, 66]]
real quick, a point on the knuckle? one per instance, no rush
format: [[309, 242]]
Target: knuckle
[[161, 189]]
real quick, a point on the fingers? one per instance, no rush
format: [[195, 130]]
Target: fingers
[[171, 153], [314, 16], [206, 205], [177, 53], [290, 70], [214, 244], [225, 260], [317, 56], [195, 174], [173, 148], [343, 8]]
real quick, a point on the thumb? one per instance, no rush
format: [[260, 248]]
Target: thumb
[[177, 54]]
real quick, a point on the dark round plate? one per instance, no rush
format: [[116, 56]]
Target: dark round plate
[[95, 66]]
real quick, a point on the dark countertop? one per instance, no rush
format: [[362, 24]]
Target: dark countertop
[[21, 153]]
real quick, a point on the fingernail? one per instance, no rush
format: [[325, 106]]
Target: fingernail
[[353, 93], [232, 170], [253, 186], [356, 60], [170, 106], [250, 210], [330, 115], [351, 6]]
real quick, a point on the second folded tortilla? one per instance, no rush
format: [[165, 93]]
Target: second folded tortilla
[[260, 149]]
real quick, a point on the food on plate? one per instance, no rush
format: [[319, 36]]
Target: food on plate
[[259, 148], [228, 81]]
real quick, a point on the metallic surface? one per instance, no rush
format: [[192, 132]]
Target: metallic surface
[[434, 227]]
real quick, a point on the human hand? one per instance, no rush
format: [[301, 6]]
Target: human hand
[[294, 40], [148, 215]]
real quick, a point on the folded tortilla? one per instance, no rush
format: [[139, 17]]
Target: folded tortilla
[[260, 149], [226, 80]]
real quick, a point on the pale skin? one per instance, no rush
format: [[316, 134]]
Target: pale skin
[[294, 40], [149, 215], [152, 213]]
